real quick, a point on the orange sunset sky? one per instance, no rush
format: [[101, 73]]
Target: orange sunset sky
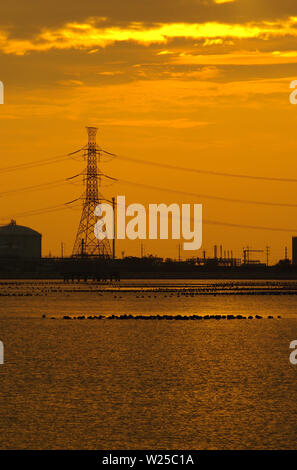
[[202, 84]]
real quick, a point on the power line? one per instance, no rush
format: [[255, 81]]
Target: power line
[[205, 172], [151, 187], [60, 182], [59, 158], [210, 222], [60, 207], [206, 196], [36, 163], [34, 187], [252, 227], [46, 185], [40, 211]]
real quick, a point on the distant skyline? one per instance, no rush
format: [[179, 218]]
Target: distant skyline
[[195, 83]]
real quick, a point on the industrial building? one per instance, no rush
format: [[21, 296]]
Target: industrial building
[[17, 241]]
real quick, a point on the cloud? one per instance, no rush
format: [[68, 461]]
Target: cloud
[[182, 123], [238, 58], [218, 2], [203, 74], [90, 35], [70, 82], [157, 103], [165, 52]]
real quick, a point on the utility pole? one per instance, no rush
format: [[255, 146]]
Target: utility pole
[[179, 258], [62, 250], [286, 253], [86, 243], [267, 255], [114, 228]]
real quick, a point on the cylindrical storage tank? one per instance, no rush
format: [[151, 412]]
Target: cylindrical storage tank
[[17, 241]]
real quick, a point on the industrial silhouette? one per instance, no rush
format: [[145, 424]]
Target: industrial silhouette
[[93, 258], [17, 241], [86, 244]]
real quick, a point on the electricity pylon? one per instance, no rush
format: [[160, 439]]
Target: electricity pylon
[[86, 244]]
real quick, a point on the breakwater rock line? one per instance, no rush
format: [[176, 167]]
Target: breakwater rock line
[[168, 317]]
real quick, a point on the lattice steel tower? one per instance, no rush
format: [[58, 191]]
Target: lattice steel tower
[[86, 244]]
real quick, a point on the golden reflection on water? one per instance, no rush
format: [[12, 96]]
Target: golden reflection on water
[[146, 384]]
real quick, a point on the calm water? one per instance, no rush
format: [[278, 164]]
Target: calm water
[[147, 384]]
